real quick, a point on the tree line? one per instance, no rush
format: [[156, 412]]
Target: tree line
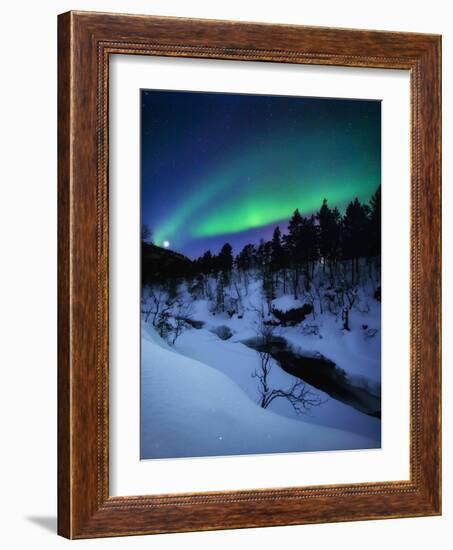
[[326, 237], [321, 258]]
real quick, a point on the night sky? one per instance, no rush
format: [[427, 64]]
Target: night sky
[[222, 168]]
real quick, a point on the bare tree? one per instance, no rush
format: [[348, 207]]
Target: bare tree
[[182, 315], [301, 398], [262, 375], [349, 297], [238, 300], [158, 304], [170, 315]]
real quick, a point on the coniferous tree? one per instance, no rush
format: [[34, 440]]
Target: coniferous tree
[[375, 224], [225, 258], [278, 253], [260, 257], [206, 263], [355, 238], [220, 291], [263, 258], [268, 275], [336, 242], [278, 257], [293, 246], [309, 238], [329, 235], [223, 265], [245, 259], [302, 246]]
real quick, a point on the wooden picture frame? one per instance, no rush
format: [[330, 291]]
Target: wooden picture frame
[[85, 42]]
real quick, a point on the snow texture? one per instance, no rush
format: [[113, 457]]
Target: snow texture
[[190, 408], [200, 395]]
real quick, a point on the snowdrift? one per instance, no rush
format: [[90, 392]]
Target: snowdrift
[[190, 409]]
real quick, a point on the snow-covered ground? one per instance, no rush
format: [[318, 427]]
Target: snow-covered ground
[[353, 351], [200, 395], [192, 409]]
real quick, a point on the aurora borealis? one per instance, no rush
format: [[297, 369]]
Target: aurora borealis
[[222, 168]]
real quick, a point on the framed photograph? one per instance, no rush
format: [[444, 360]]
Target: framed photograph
[[249, 275]]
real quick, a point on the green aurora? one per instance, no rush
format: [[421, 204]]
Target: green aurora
[[265, 197], [263, 176]]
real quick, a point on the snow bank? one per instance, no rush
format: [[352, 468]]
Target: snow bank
[[191, 409], [352, 351], [238, 362]]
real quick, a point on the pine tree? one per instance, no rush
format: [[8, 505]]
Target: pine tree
[[206, 263], [329, 235], [375, 224], [222, 282], [293, 247], [268, 278], [244, 262], [277, 251], [223, 265], [309, 237], [225, 258], [245, 259], [355, 237], [278, 256]]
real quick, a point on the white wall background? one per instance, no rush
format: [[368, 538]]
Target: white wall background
[[28, 270]]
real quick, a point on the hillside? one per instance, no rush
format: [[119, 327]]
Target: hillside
[[160, 263]]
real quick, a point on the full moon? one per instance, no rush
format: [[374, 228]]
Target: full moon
[[166, 244]]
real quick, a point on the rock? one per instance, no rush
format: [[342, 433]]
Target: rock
[[292, 316], [193, 323], [223, 332]]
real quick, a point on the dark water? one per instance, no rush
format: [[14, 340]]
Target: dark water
[[321, 373]]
